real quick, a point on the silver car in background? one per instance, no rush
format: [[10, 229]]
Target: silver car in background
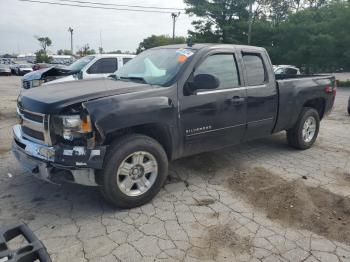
[[5, 70]]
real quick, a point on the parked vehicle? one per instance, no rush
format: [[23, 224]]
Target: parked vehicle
[[22, 69], [92, 66], [5, 70], [286, 70], [13, 68], [39, 66], [169, 102]]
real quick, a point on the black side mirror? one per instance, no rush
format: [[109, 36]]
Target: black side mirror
[[80, 75], [204, 81]]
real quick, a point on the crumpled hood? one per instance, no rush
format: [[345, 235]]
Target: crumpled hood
[[53, 98], [45, 72]]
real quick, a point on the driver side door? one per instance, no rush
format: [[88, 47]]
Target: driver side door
[[216, 118]]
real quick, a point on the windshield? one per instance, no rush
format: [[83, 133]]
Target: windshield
[[24, 66], [155, 66], [80, 63]]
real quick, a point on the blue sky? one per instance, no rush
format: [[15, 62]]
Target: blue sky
[[20, 22]]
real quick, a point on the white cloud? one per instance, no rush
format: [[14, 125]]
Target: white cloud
[[21, 21]]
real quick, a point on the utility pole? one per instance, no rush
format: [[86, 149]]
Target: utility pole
[[101, 48], [250, 22], [174, 16], [71, 39]]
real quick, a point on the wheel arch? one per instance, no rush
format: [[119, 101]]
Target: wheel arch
[[158, 131], [319, 104]]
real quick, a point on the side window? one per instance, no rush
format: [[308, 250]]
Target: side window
[[254, 66], [104, 66], [223, 66], [291, 71], [279, 71], [126, 59]]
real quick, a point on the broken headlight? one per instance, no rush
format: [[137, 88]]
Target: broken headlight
[[73, 127]]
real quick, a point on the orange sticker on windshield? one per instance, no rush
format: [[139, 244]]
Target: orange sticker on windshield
[[181, 58]]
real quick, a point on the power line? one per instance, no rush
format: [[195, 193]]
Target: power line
[[132, 6], [97, 7]]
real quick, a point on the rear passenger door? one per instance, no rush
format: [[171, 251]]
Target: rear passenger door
[[102, 68], [262, 97]]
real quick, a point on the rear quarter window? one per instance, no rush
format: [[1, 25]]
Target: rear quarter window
[[255, 69]]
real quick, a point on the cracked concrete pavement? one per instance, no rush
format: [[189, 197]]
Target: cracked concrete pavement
[[199, 215]]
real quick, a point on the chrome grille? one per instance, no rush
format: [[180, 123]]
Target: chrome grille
[[35, 126]]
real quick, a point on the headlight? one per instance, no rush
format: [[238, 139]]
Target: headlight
[[75, 126], [36, 83]]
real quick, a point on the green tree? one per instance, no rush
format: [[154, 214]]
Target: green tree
[[64, 52], [159, 40], [42, 57], [44, 42], [219, 19], [86, 50], [316, 39]]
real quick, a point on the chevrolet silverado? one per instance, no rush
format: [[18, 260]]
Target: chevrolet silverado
[[119, 133]]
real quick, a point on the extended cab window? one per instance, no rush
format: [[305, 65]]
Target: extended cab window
[[254, 66], [223, 66], [104, 66]]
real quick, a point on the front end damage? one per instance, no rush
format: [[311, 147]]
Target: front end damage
[[57, 163]]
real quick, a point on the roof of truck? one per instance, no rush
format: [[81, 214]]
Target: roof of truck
[[208, 45]]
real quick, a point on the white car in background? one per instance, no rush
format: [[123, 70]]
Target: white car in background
[[286, 70], [91, 66], [95, 66]]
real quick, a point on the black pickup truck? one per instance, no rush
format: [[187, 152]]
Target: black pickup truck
[[169, 102]]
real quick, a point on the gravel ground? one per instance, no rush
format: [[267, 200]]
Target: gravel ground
[[261, 201]]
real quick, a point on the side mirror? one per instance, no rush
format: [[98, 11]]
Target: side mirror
[[204, 81], [80, 75]]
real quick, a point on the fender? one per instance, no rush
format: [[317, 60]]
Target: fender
[[114, 113]]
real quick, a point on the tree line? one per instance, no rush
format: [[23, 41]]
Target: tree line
[[311, 34]]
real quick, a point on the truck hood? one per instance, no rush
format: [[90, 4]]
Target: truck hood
[[45, 72], [53, 98]]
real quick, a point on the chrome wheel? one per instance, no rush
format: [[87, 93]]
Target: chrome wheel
[[309, 129], [137, 173]]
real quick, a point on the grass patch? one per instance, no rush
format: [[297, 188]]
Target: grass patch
[[343, 83]]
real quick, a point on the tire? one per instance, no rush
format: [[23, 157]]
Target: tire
[[295, 135], [120, 160]]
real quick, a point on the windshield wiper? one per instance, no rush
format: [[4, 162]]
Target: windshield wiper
[[134, 78]]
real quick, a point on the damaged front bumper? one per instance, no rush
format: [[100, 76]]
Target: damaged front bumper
[[58, 163]]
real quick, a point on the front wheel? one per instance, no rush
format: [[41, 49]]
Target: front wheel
[[303, 135], [135, 170]]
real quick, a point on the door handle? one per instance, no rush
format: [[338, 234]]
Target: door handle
[[237, 100]]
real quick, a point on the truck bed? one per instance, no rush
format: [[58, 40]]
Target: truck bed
[[295, 90]]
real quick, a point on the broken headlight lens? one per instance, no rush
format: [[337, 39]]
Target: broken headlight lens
[[75, 126], [36, 83]]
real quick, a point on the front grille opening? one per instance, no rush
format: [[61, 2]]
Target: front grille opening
[[33, 117], [21, 145], [33, 133]]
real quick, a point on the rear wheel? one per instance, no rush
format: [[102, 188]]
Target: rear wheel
[[303, 135], [135, 170]]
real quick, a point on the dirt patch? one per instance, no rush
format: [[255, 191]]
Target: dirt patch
[[310, 208], [4, 150], [204, 201], [203, 163], [224, 236], [222, 240], [333, 148]]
